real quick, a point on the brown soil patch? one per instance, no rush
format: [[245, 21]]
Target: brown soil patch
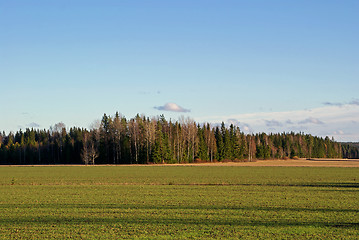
[[288, 163], [258, 163]]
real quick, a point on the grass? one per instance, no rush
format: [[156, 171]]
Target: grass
[[178, 202]]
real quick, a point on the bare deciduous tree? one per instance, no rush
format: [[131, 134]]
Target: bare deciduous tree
[[89, 151]]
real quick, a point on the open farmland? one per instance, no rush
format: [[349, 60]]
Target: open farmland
[[106, 202]]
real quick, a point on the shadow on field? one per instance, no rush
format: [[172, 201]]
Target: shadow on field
[[275, 184], [331, 185], [319, 184], [168, 220], [105, 208]]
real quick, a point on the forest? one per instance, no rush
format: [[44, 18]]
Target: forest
[[144, 140]]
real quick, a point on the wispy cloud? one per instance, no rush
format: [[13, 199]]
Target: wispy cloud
[[273, 123], [149, 92], [333, 104], [172, 107], [354, 102], [340, 122], [311, 120], [33, 125]]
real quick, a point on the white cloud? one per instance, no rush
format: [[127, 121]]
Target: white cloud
[[339, 132], [245, 127], [235, 122], [340, 122], [172, 107]]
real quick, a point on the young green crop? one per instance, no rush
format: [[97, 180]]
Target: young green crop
[[181, 202]]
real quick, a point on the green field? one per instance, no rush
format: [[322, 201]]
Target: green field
[[179, 202]]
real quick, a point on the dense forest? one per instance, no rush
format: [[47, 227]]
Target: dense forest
[[350, 150], [117, 140]]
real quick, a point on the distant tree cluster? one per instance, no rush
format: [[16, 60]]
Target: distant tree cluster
[[117, 140]]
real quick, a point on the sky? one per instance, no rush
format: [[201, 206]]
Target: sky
[[265, 66]]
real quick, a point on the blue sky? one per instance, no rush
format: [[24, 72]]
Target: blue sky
[[269, 66]]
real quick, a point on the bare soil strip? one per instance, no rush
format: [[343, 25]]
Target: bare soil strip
[[318, 162], [292, 163]]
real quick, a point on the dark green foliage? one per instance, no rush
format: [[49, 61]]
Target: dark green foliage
[[220, 144], [202, 146], [350, 150], [139, 140]]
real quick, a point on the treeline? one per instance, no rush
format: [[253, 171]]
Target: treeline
[[117, 140], [350, 150]]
